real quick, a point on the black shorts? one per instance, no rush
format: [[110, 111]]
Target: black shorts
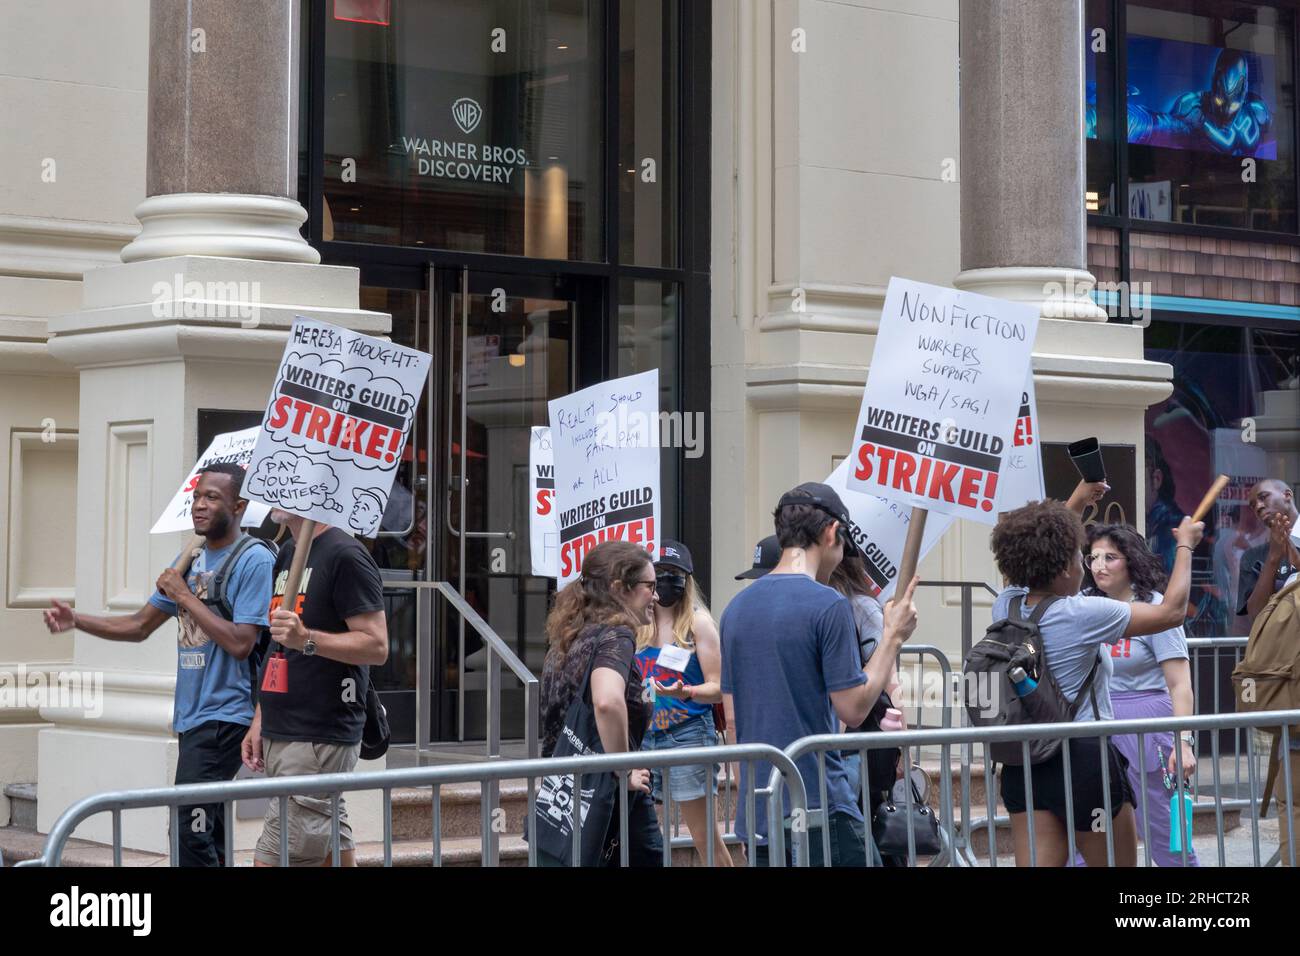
[[1085, 772]]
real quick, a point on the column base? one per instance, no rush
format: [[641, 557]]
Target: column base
[[220, 224], [1059, 293]]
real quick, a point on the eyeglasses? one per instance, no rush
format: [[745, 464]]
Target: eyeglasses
[[1092, 559], [650, 584]]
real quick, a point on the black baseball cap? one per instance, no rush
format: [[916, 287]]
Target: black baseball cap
[[824, 498], [767, 553], [675, 555]]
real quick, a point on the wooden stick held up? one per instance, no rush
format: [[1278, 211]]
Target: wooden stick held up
[[188, 553], [301, 549], [911, 548], [1207, 502]]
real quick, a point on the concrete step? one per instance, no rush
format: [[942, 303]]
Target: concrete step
[[22, 804], [467, 852], [460, 810]]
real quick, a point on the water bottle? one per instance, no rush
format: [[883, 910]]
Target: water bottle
[[1176, 826], [1022, 682], [893, 719]]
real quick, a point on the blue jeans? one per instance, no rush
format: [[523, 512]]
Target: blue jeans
[[685, 783], [849, 841]]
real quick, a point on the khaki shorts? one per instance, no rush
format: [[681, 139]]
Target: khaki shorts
[[307, 818]]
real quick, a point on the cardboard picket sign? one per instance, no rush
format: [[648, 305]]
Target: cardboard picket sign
[[1021, 480], [941, 400], [879, 528], [229, 447], [335, 426], [543, 526], [605, 445]]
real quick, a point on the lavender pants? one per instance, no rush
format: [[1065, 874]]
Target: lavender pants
[[1139, 705]]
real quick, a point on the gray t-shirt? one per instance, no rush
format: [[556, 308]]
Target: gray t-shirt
[[1136, 660], [1073, 630]]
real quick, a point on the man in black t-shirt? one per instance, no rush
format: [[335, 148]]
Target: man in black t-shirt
[[311, 705]]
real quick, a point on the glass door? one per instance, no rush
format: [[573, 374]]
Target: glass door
[[510, 344]]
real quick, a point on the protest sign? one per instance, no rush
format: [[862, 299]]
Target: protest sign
[[1022, 476], [879, 528], [543, 528], [606, 455], [941, 401], [335, 427], [231, 447]]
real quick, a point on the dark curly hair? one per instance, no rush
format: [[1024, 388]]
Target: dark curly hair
[[1146, 572], [1033, 544]]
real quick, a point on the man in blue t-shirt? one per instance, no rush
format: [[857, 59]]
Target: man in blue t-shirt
[[214, 704], [791, 666]]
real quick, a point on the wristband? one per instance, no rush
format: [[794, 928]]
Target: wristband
[[1187, 546]]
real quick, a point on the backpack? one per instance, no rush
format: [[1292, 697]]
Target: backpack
[[218, 601], [1007, 644], [1268, 675]]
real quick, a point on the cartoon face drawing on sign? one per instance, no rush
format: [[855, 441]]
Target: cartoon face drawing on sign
[[366, 511]]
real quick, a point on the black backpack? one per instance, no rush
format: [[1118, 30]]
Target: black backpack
[[991, 699]]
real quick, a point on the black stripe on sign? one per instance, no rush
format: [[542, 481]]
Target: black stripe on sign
[[355, 409], [1024, 411], [610, 520], [545, 482], [949, 454]]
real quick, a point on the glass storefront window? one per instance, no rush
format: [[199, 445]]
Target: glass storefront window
[[1211, 107], [648, 337], [648, 124], [468, 125], [1235, 410], [1099, 105]]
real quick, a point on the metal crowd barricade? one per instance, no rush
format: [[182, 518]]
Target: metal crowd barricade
[[1272, 721], [333, 786]]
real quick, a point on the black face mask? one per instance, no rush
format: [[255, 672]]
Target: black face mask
[[670, 588]]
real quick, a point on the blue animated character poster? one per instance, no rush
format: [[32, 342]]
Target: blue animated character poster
[[1192, 96]]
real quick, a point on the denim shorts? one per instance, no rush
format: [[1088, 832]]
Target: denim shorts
[[686, 783]]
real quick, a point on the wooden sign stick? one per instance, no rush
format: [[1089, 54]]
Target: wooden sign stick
[[911, 548], [301, 549], [188, 553], [1207, 502]]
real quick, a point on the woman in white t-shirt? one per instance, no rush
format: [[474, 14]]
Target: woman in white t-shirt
[[1039, 549], [1151, 678]]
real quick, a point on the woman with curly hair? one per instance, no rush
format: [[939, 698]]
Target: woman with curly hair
[[1038, 549], [1151, 676], [592, 630]]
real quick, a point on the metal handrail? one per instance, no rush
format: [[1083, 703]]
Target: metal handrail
[[335, 784]]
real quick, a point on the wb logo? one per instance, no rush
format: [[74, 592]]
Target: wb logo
[[467, 114]]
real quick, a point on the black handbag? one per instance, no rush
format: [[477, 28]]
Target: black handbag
[[889, 824], [553, 805], [376, 734]]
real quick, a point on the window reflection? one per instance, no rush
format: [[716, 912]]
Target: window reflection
[[469, 126]]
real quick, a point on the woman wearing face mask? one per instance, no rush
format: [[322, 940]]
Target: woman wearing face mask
[[1151, 677], [681, 664]]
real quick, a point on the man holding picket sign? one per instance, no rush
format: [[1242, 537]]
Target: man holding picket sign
[[220, 594], [337, 421]]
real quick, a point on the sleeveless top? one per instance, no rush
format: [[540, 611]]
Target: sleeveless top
[[668, 713]]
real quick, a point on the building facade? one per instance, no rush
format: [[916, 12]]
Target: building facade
[[549, 193]]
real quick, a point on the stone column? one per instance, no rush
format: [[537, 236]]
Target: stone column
[[195, 317], [1022, 159], [222, 168]]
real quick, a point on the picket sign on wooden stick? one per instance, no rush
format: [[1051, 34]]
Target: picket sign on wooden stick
[[1207, 502], [301, 549], [912, 547]]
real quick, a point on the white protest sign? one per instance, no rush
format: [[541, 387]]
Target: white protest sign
[[940, 404], [880, 529], [606, 452], [231, 447], [1022, 473], [543, 525], [335, 426]]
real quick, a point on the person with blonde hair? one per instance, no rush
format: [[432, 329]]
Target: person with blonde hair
[[681, 667]]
